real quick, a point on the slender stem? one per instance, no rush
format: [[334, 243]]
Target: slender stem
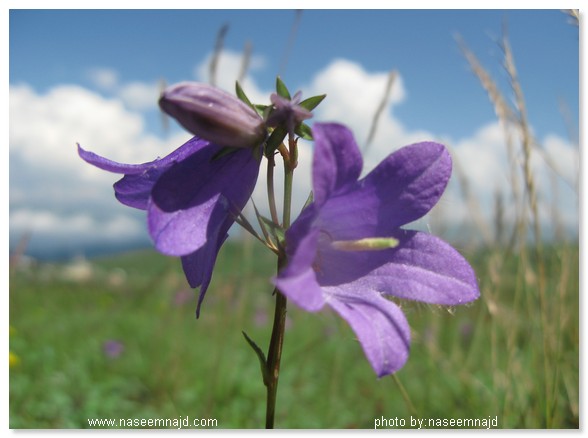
[[274, 357], [271, 162], [277, 339], [405, 395]]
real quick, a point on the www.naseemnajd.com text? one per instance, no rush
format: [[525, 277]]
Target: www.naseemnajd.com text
[[178, 423], [430, 423]]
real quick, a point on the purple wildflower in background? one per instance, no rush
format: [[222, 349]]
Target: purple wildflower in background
[[213, 114], [191, 197], [113, 349], [347, 249]]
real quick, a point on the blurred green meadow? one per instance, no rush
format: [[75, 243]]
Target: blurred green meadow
[[509, 354]]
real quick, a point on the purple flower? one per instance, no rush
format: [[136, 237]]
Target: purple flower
[[347, 249], [112, 348], [213, 114], [191, 197], [287, 112]]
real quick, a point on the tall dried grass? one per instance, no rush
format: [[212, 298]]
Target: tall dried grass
[[540, 299]]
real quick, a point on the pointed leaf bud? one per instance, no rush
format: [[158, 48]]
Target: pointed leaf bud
[[213, 114]]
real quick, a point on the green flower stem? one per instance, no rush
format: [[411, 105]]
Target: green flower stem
[[277, 340], [271, 163], [274, 356]]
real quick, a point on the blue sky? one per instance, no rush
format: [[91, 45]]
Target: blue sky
[[444, 97], [91, 76]]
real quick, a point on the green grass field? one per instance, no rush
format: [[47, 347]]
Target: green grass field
[[512, 354]]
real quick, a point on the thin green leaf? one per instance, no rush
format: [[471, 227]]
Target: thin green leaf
[[224, 151], [266, 233], [281, 89], [308, 200], [242, 221], [260, 356], [262, 110], [276, 231], [275, 140], [241, 94], [312, 102], [304, 131]]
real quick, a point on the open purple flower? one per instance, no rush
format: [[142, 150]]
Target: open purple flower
[[347, 249], [191, 196]]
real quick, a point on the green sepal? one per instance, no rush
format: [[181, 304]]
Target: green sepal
[[304, 131], [262, 221], [367, 244], [260, 356], [308, 200], [275, 140], [262, 110], [312, 102], [224, 151], [241, 95], [281, 89], [276, 231]]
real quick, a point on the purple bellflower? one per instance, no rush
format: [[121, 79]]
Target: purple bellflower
[[211, 113], [191, 197], [113, 348], [347, 250]]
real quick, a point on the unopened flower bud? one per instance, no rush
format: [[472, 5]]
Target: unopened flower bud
[[213, 114], [287, 112]]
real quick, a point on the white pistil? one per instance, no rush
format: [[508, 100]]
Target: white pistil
[[367, 244]]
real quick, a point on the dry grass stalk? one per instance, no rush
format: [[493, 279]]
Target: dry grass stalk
[[472, 203], [247, 50], [506, 117], [526, 137], [574, 15], [385, 97], [218, 48], [291, 41]]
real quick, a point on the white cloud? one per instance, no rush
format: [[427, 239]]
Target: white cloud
[[227, 72], [54, 194], [105, 79], [60, 198], [353, 95], [140, 96], [484, 162], [136, 95]]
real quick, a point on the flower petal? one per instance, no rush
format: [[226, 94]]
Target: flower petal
[[135, 187], [410, 182], [193, 197], [198, 266], [298, 280], [401, 189], [380, 326], [337, 160], [183, 231], [134, 190], [179, 154], [422, 268]]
